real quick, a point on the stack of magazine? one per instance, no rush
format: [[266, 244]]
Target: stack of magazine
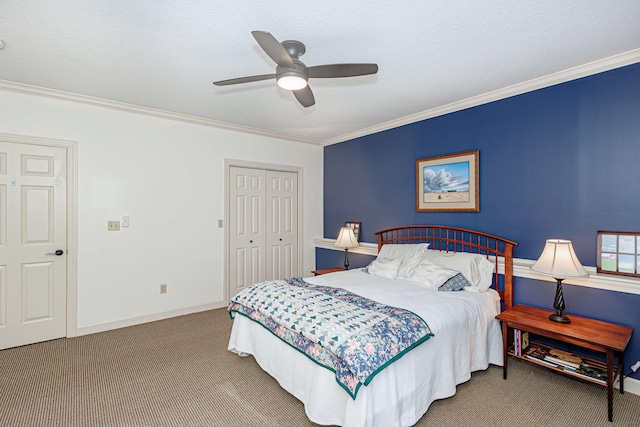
[[563, 358], [568, 362]]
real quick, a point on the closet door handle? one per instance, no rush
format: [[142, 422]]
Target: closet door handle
[[250, 241]]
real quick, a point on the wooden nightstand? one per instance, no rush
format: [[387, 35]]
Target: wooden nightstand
[[604, 337], [326, 271]]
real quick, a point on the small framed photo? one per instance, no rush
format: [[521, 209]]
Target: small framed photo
[[448, 183], [355, 226]]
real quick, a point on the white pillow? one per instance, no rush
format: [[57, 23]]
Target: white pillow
[[475, 267], [431, 275], [411, 254], [385, 268]]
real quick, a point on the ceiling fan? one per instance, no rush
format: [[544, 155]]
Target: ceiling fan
[[291, 73]]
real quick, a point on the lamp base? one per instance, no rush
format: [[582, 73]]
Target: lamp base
[[346, 258], [559, 318], [558, 304]]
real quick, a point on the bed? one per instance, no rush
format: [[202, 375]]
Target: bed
[[466, 337]]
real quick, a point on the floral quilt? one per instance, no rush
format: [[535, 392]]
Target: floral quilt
[[351, 335]]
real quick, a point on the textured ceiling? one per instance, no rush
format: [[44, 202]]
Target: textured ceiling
[[165, 55]]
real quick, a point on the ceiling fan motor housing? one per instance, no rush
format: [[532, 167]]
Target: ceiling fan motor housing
[[294, 48], [299, 70]]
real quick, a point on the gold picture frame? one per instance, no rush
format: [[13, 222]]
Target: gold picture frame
[[448, 183]]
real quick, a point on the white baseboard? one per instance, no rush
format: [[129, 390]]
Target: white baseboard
[[631, 385], [123, 323]]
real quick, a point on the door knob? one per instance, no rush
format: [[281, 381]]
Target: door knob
[[58, 252], [250, 241]]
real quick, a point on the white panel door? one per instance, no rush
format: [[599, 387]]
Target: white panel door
[[246, 228], [33, 226], [282, 225]]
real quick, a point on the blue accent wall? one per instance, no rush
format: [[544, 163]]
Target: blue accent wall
[[559, 162]]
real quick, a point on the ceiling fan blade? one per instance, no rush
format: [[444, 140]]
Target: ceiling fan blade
[[273, 48], [341, 70], [245, 80], [304, 96]]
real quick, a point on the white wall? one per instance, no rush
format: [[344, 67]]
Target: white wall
[[168, 177]]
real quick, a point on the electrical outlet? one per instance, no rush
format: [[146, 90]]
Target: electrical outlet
[[163, 288], [636, 366], [113, 225]]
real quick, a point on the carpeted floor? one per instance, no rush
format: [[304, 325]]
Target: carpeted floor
[[177, 372]]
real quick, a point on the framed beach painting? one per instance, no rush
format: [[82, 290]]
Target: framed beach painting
[[448, 183]]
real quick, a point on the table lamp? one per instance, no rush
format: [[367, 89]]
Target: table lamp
[[346, 239], [559, 260]]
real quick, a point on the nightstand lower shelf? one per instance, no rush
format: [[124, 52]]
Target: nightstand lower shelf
[[580, 373], [608, 338]]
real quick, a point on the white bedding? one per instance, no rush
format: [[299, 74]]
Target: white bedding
[[467, 337]]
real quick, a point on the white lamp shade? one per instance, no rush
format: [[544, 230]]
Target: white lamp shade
[[346, 238], [558, 259]]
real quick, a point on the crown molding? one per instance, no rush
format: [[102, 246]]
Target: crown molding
[[595, 67], [522, 268], [153, 112]]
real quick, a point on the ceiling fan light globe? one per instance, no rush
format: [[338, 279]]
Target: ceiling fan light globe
[[292, 82]]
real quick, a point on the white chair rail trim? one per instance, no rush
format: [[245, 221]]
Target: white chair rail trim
[[521, 268]]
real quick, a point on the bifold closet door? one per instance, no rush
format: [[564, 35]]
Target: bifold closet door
[[282, 225], [247, 231], [263, 226]]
